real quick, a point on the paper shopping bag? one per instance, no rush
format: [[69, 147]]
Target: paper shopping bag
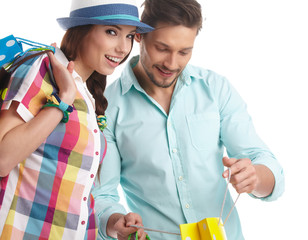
[[206, 229], [9, 49]]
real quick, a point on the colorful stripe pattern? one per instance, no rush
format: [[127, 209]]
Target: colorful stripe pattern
[[47, 196]]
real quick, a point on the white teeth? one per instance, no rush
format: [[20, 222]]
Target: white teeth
[[114, 59]]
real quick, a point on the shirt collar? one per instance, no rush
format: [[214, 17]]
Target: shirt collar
[[190, 73], [128, 78]]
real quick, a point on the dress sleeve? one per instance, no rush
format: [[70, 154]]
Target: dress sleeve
[[239, 136], [29, 85]]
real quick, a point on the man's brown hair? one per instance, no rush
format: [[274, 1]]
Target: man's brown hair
[[174, 12]]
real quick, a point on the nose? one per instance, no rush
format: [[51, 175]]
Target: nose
[[124, 45], [171, 61]]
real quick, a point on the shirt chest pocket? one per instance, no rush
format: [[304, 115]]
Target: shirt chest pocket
[[204, 130]]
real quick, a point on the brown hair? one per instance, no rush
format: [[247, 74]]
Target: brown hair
[[71, 46], [175, 12]]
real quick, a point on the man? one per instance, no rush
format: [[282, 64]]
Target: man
[[168, 125]]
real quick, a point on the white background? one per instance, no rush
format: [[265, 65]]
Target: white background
[[261, 47]]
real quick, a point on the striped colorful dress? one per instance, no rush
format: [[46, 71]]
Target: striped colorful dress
[[48, 195]]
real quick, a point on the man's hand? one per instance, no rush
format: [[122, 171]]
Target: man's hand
[[243, 174], [118, 226], [249, 178]]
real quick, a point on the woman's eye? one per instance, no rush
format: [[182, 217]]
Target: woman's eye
[[130, 36], [111, 32]]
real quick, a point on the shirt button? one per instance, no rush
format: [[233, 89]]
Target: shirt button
[[180, 178], [96, 153], [174, 150], [85, 199], [92, 176], [83, 222], [168, 123], [187, 206], [95, 130]]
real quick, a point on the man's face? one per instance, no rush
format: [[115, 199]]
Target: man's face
[[165, 52]]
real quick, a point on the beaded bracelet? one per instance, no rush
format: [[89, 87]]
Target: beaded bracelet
[[55, 101], [101, 122]]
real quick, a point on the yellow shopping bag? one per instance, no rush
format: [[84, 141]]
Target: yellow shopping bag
[[206, 229]]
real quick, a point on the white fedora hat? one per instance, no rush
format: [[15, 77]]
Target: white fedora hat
[[104, 12]]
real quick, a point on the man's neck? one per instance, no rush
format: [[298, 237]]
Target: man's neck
[[161, 95]]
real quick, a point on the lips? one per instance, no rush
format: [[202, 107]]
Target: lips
[[113, 59], [164, 72]]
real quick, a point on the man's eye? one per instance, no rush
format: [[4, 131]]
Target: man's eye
[[161, 49], [183, 53]]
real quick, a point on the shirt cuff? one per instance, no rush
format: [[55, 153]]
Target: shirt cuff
[[104, 217], [277, 171]]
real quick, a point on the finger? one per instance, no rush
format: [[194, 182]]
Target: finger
[[245, 182], [70, 66], [142, 235], [240, 165], [247, 186], [245, 172], [228, 162], [133, 219], [124, 231], [52, 58]]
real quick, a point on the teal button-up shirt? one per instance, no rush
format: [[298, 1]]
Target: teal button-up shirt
[[170, 165]]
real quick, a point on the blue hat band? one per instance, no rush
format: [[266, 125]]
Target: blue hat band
[[118, 16], [108, 10]]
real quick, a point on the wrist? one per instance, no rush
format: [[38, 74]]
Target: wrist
[[265, 181], [110, 229], [67, 97], [55, 101]]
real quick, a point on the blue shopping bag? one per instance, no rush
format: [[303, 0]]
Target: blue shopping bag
[[9, 49]]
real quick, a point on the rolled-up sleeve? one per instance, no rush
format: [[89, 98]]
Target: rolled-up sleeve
[[239, 136]]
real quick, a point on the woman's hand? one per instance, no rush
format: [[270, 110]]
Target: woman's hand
[[18, 139], [64, 79]]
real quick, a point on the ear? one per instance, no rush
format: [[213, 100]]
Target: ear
[[138, 37]]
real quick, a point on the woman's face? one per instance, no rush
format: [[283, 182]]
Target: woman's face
[[104, 48]]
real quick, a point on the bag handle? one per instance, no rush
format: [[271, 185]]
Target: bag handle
[[136, 236], [224, 201], [5, 73], [17, 62]]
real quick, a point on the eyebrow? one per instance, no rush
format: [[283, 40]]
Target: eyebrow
[[167, 46]]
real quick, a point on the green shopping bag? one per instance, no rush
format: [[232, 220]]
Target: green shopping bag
[[130, 237]]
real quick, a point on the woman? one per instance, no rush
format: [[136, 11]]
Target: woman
[[50, 143]]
